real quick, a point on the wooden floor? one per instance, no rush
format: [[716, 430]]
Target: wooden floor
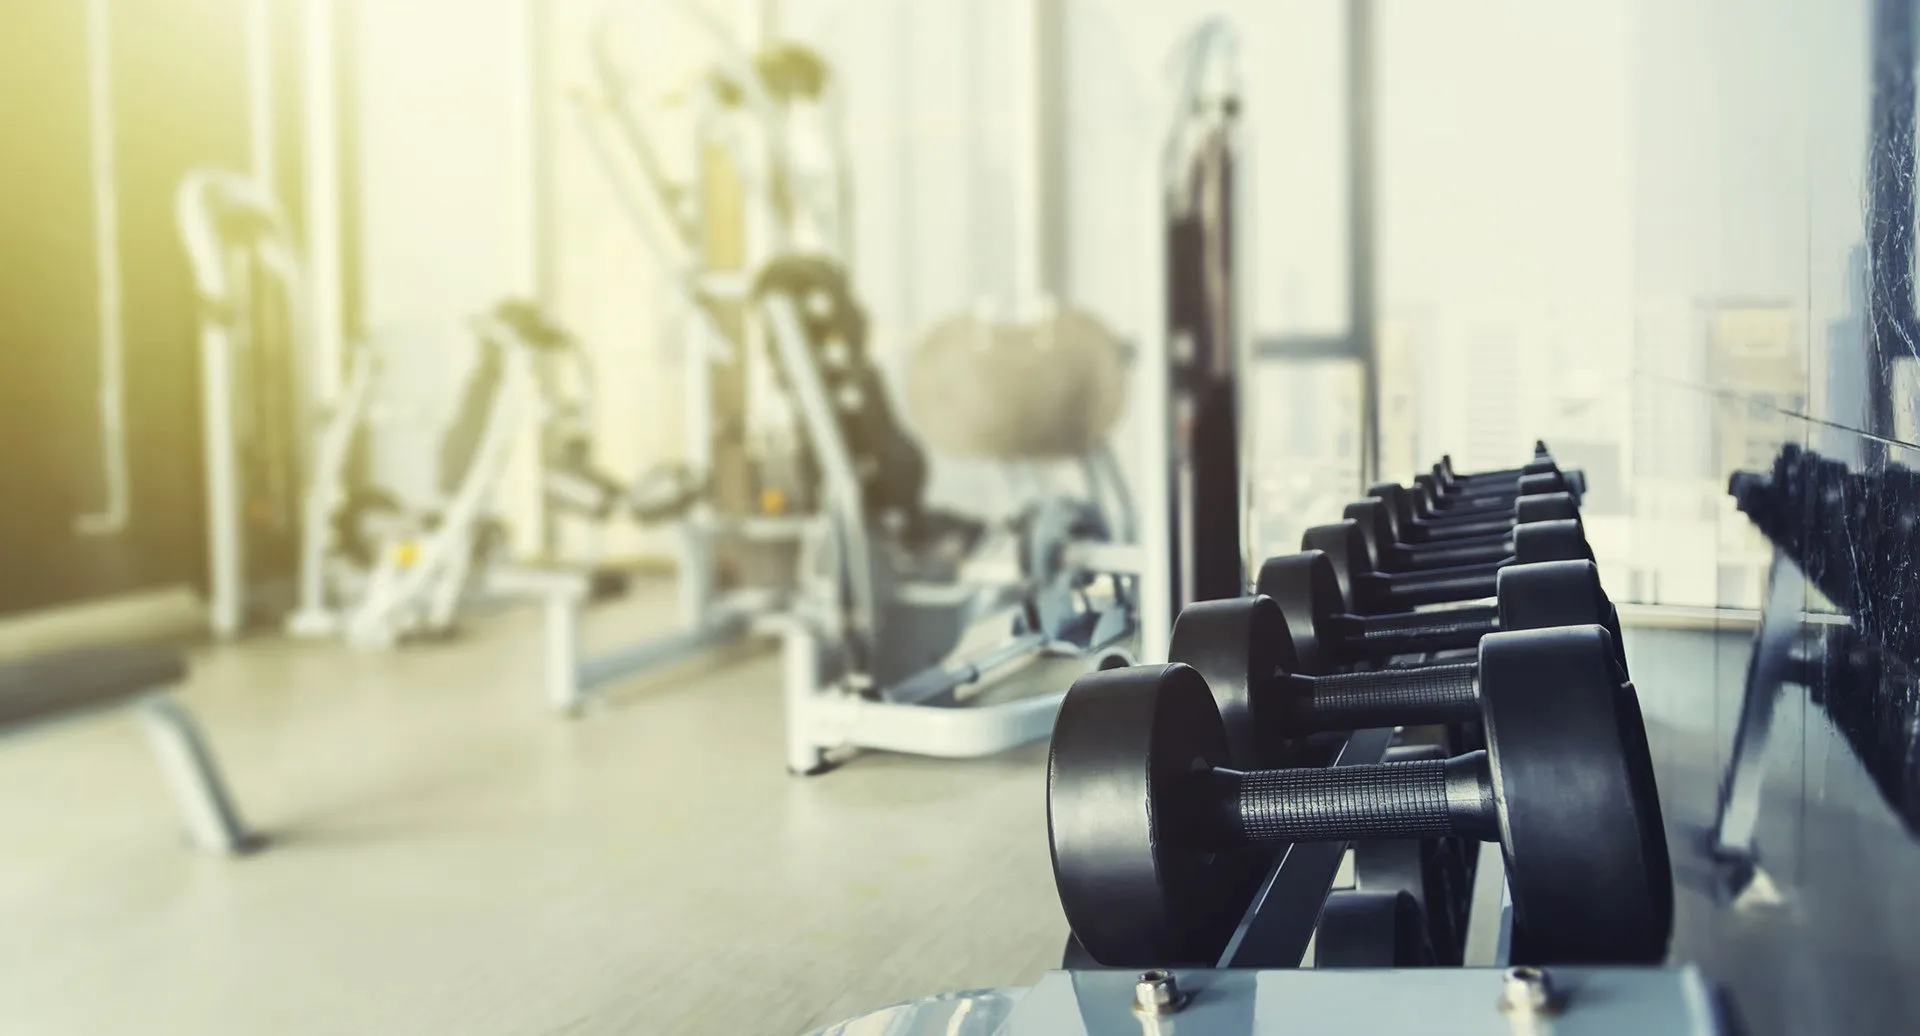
[[450, 858]]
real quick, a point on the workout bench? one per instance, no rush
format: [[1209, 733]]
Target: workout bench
[[38, 692]]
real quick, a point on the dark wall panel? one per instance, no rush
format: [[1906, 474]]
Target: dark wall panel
[[179, 100]]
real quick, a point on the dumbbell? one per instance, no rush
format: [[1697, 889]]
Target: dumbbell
[[1449, 480], [1417, 519], [1267, 697], [1148, 826], [1324, 637], [1430, 496], [1240, 646], [1388, 551], [1445, 466], [1369, 590], [1446, 482]]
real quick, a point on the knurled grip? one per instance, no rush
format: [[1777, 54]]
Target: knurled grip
[[1403, 624], [1386, 697], [1476, 502], [1413, 633], [1383, 800]]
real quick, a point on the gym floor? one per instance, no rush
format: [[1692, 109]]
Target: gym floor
[[450, 858]]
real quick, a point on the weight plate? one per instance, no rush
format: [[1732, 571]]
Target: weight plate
[[1545, 507], [1546, 482], [1653, 830], [1237, 645], [1586, 858], [1346, 547], [1377, 527], [1550, 541], [1134, 891], [1557, 593], [1308, 592], [1372, 930]]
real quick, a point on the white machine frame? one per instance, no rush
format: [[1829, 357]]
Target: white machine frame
[[406, 592], [832, 608]]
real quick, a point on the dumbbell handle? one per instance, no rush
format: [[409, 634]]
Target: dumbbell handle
[[1434, 586], [1452, 554], [1425, 799], [1383, 698], [1469, 478], [1377, 636], [1490, 523]]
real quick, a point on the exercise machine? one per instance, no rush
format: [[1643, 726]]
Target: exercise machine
[[288, 497], [1196, 354], [891, 614], [740, 501]]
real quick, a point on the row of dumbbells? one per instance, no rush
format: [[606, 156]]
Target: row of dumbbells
[[1463, 610]]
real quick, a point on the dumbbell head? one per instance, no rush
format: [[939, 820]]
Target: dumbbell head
[[1134, 889], [1560, 841], [1239, 645], [1145, 821], [1345, 545], [1374, 522], [1307, 592]]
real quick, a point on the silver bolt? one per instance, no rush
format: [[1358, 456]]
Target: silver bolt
[[1158, 992], [1528, 992]]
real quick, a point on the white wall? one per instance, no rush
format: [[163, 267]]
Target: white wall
[[1561, 189]]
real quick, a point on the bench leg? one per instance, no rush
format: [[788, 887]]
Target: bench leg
[[194, 777]]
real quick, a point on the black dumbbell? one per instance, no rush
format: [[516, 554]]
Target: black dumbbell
[[1148, 826], [1324, 637], [1429, 517], [1445, 466], [1244, 647], [1388, 552], [1447, 479], [1439, 520], [1370, 590]]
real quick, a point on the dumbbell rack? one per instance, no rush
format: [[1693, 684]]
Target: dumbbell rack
[[1270, 969]]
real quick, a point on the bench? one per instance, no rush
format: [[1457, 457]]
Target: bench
[[41, 691]]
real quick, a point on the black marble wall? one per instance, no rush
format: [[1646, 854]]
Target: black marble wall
[[1803, 911], [1790, 756]]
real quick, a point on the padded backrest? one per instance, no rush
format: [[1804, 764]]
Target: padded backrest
[[1051, 389], [887, 459], [460, 443]]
